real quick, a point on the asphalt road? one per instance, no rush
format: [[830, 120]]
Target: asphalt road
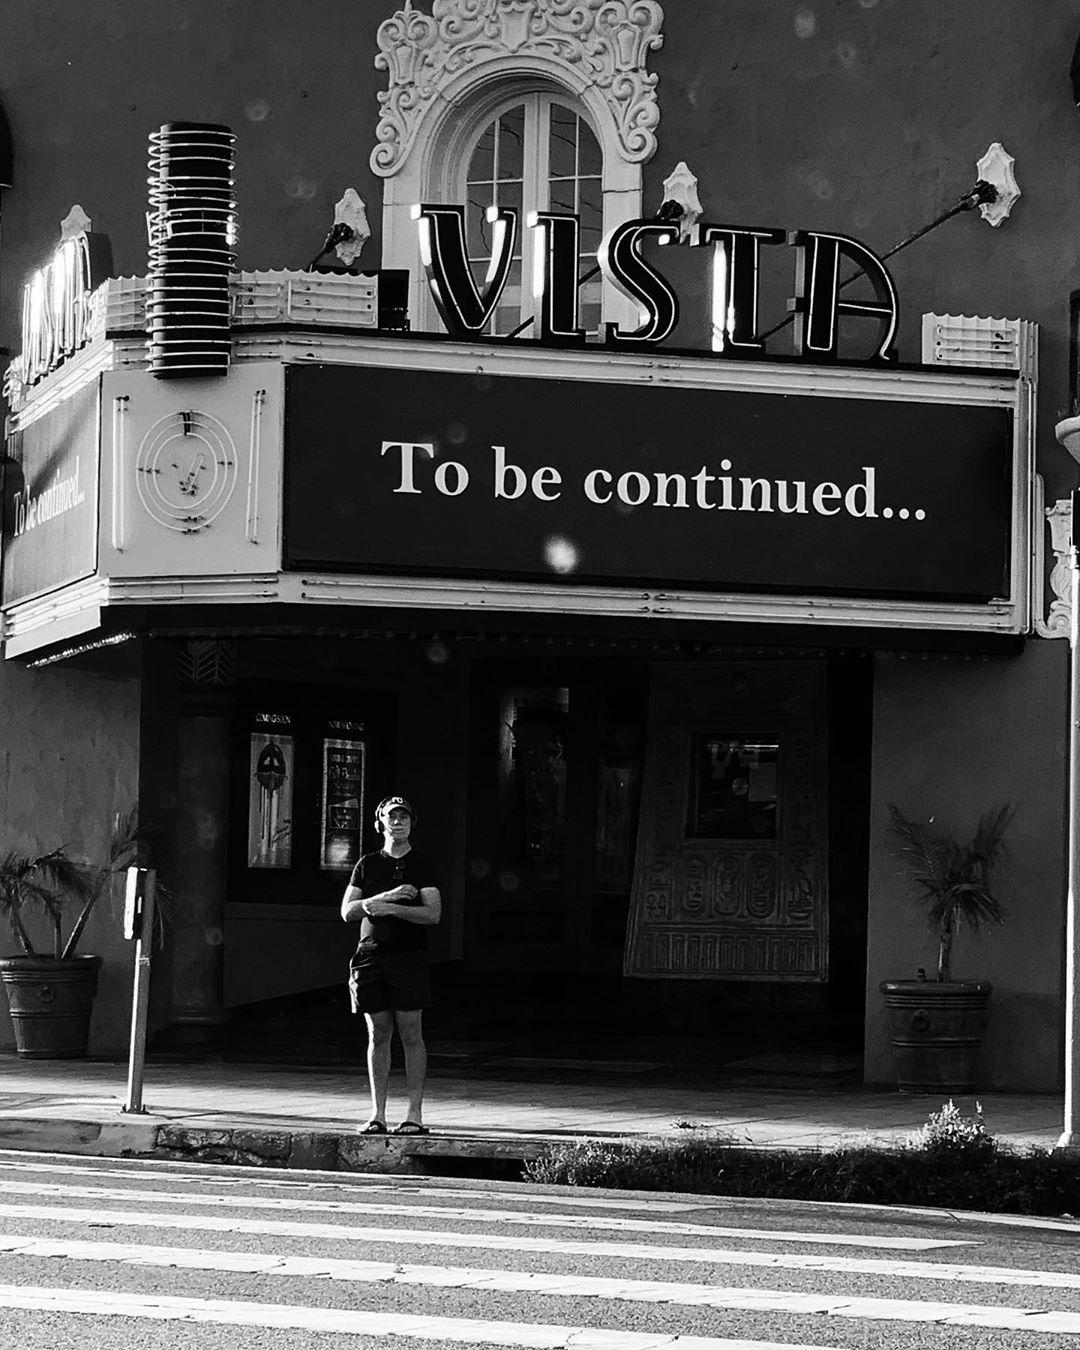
[[105, 1253]]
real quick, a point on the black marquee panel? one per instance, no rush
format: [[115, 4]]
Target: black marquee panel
[[534, 479]]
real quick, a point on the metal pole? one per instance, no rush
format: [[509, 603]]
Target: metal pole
[[1070, 1138], [140, 997]]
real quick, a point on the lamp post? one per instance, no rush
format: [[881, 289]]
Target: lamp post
[[1070, 1136]]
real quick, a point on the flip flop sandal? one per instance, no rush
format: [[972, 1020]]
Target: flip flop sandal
[[411, 1127], [373, 1127]]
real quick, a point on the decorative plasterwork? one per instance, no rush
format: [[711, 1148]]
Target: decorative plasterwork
[[350, 211], [681, 190], [76, 222], [996, 168], [602, 44], [1058, 621]]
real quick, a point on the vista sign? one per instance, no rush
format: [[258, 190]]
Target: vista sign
[[56, 303], [734, 256]]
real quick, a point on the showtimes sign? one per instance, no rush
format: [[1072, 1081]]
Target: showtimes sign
[[396, 471]]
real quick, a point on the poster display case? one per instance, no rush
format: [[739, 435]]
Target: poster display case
[[341, 823], [272, 775]]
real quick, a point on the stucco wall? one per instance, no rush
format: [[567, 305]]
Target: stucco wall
[[954, 736], [69, 752], [868, 118], [83, 86]]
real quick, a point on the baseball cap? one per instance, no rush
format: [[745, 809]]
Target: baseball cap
[[392, 803]]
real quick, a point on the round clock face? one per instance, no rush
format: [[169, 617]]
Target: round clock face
[[185, 470]]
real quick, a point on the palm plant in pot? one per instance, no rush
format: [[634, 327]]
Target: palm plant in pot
[[51, 994], [937, 1025]]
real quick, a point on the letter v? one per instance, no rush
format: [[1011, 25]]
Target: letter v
[[463, 308]]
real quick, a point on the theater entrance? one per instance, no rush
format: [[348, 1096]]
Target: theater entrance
[[670, 847]]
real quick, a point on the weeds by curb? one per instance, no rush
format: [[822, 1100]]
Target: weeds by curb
[[953, 1161]]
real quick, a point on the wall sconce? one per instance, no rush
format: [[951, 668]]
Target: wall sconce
[[681, 205], [996, 169]]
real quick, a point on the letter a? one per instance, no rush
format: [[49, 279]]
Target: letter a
[[817, 305]]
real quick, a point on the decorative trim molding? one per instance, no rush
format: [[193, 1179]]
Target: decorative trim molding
[[1058, 621], [601, 44]]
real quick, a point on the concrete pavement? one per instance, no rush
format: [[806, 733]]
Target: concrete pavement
[[290, 1116]]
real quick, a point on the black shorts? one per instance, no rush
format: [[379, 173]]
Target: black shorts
[[390, 982]]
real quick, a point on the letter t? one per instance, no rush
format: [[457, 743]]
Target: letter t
[[407, 449]]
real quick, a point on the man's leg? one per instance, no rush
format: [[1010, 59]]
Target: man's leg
[[410, 1029], [380, 1028]]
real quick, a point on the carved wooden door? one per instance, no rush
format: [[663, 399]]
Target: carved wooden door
[[730, 873]]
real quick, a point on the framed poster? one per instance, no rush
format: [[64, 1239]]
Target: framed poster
[[734, 786], [272, 774], [342, 798]]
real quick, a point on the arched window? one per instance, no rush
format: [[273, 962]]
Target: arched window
[[482, 104], [535, 154]]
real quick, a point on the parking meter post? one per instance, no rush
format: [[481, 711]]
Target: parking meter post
[[141, 887]]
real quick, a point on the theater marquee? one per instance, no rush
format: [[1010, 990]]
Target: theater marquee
[[881, 493]]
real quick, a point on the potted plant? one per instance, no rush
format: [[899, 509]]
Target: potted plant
[[937, 1025], [1067, 431], [51, 996]]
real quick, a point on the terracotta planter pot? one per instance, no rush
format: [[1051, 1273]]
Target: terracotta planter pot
[[51, 1002], [936, 1032], [1067, 432]]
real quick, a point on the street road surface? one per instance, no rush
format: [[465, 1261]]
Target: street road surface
[[98, 1254]]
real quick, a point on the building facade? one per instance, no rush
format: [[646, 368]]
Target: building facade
[[516, 408]]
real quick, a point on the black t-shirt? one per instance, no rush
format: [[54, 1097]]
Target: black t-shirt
[[378, 872]]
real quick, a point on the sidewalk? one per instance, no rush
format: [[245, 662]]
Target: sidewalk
[[300, 1118]]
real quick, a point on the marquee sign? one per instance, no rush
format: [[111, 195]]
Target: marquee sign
[[567, 481], [50, 499], [733, 253]]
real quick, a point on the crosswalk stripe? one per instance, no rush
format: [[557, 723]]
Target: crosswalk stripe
[[948, 1273], [277, 1178], [546, 1284], [461, 1214], [342, 1321], [418, 1237], [368, 1184]]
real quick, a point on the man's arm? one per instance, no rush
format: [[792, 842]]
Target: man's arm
[[355, 904], [426, 913], [352, 904]]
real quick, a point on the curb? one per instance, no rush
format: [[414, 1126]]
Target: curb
[[138, 1136], [95, 1138]]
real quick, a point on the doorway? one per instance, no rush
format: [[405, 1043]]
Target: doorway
[[670, 850], [555, 781]]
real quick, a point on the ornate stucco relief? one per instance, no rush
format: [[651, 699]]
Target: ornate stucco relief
[[602, 44], [1058, 620]]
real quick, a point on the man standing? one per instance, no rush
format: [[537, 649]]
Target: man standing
[[394, 896]]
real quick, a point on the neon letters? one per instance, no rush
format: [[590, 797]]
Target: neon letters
[[56, 304], [736, 253]]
